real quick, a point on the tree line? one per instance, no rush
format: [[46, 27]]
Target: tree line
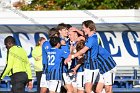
[[37, 5]]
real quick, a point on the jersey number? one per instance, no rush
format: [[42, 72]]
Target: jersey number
[[51, 59]]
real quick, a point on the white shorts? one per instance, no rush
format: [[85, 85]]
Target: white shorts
[[44, 82], [80, 80], [90, 75], [67, 79], [108, 77], [55, 85]]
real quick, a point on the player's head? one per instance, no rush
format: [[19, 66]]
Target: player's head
[[55, 41], [72, 35], [63, 30], [9, 41], [80, 45], [53, 32], [88, 26], [68, 26]]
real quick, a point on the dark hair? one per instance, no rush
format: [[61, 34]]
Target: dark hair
[[61, 26], [89, 24], [54, 41], [53, 32], [68, 26], [9, 39]]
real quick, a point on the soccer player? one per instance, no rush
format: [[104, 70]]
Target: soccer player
[[37, 55], [77, 67], [46, 45], [91, 49], [17, 67], [107, 68], [54, 65], [63, 30]]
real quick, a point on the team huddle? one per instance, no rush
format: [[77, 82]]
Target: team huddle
[[73, 61], [77, 61]]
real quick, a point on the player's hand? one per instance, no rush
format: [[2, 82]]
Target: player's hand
[[63, 42], [73, 29], [30, 85], [74, 71], [81, 38], [67, 60]]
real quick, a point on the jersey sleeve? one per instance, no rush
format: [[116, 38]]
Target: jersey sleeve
[[46, 45], [90, 42], [43, 54], [65, 48], [65, 52]]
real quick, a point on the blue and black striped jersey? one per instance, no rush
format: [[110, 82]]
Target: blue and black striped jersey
[[54, 68]]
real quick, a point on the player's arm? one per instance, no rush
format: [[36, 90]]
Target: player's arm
[[79, 62], [44, 55], [90, 43], [77, 30], [79, 53], [82, 51]]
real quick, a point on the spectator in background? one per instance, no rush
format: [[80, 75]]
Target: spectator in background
[[37, 55], [17, 67]]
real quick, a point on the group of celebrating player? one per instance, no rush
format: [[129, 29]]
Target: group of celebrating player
[[76, 60]]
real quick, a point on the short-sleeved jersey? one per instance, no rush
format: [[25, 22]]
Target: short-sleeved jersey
[[46, 45], [54, 63], [67, 41], [65, 47], [91, 54], [64, 66], [105, 60]]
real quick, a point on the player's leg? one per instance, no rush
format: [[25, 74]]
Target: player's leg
[[55, 86], [109, 78], [99, 84], [74, 83], [89, 79], [44, 84], [80, 82], [67, 83]]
